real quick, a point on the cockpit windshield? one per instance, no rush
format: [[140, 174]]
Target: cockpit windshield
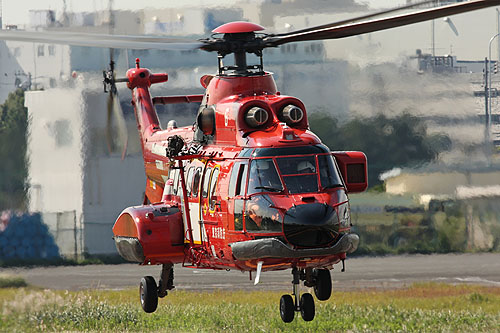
[[311, 169], [263, 177], [299, 173]]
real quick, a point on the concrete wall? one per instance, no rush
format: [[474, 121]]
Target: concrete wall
[[55, 171], [110, 185], [67, 175], [55, 150]]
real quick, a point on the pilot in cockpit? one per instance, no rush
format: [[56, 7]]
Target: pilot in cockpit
[[305, 167]]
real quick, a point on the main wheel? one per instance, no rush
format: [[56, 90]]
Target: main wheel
[[287, 308], [323, 286], [148, 292], [307, 309]]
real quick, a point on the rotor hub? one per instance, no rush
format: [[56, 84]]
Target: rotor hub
[[237, 28]]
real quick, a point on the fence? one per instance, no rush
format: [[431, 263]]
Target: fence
[[67, 231]]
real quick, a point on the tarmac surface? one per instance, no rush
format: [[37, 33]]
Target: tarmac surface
[[387, 272]]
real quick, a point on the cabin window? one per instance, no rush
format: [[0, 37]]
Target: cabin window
[[213, 187], [196, 182], [176, 180], [189, 180], [264, 177], [206, 182], [238, 179], [299, 173]]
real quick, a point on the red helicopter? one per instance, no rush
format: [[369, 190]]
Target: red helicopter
[[249, 186]]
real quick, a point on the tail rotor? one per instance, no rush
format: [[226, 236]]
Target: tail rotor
[[119, 139]]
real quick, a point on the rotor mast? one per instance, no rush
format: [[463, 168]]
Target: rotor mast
[[238, 38]]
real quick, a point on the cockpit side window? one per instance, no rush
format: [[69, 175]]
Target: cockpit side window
[[238, 179], [242, 179], [329, 176], [263, 177]]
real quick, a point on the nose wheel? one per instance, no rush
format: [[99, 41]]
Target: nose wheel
[[303, 304], [149, 291]]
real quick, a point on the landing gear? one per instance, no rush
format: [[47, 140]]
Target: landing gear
[[149, 292], [287, 308], [289, 305], [322, 284], [307, 309]]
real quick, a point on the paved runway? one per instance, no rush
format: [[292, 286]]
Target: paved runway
[[361, 273]]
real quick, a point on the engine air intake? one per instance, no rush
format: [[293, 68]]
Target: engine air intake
[[256, 117], [292, 114]]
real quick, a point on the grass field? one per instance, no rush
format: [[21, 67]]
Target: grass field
[[422, 307]]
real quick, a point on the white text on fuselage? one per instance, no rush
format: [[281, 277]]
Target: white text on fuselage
[[218, 233]]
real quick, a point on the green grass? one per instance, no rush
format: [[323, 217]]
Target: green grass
[[8, 281], [422, 307]]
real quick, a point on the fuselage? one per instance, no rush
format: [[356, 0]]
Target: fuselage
[[246, 184]]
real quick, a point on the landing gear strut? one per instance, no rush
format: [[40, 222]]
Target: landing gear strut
[[149, 292], [303, 304]]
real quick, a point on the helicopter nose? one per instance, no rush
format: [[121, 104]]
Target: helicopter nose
[[311, 225]]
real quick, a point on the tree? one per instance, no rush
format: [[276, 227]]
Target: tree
[[387, 142], [13, 161]]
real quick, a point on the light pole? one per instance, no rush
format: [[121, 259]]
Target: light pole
[[489, 82]]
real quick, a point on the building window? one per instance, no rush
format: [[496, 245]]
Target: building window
[[289, 48], [52, 50], [41, 50]]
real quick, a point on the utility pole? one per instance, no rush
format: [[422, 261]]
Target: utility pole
[[486, 91], [498, 31], [433, 43]]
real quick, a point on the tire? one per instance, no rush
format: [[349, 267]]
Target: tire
[[287, 308], [148, 292], [323, 286], [307, 309]]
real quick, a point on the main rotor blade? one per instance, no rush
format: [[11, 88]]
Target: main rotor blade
[[360, 18], [100, 40], [354, 29]]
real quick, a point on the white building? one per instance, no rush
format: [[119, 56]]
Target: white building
[[78, 186]]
